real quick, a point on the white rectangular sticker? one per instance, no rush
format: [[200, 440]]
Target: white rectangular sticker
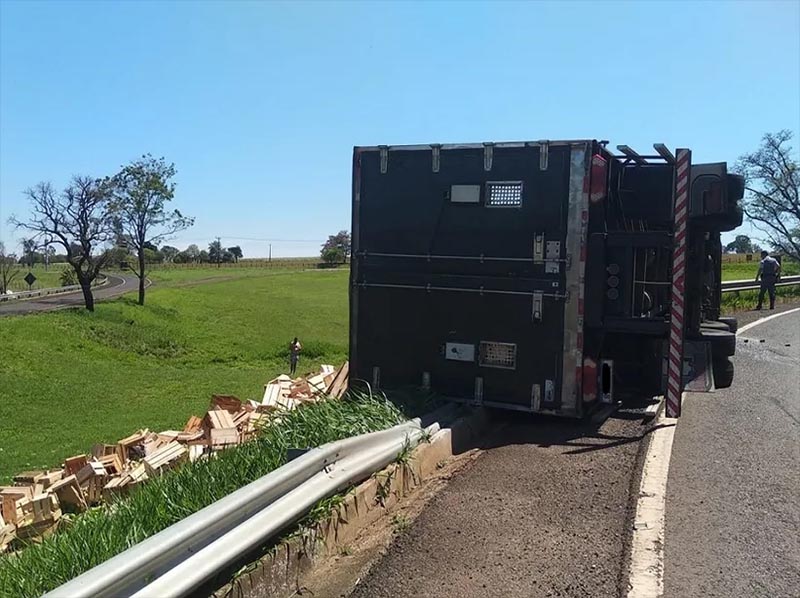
[[465, 193], [459, 352]]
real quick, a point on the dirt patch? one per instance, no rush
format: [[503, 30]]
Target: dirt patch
[[337, 575]]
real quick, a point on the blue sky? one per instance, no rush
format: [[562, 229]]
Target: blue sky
[[259, 104]]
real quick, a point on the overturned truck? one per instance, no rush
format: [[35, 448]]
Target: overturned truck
[[545, 276]]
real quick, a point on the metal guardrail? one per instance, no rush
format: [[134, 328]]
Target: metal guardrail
[[178, 559], [749, 285], [46, 292]]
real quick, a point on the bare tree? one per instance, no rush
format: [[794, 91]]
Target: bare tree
[[142, 190], [78, 219], [772, 180], [8, 269]]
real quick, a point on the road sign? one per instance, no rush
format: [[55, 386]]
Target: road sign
[[30, 279]]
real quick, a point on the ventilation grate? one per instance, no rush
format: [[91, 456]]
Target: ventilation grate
[[504, 195], [498, 355]]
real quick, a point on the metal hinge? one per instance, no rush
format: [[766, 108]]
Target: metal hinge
[[536, 314], [538, 247], [536, 396], [376, 378], [552, 257], [384, 149], [544, 147], [488, 156], [478, 390], [436, 152]]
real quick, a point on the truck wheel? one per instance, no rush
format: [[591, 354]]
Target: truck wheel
[[723, 373], [723, 343], [732, 323]]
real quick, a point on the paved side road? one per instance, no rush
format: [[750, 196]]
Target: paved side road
[[542, 512], [117, 285], [733, 493]]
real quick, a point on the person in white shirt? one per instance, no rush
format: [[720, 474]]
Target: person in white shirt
[[768, 270]]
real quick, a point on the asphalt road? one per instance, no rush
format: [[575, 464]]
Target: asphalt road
[[542, 512], [733, 493], [117, 285]]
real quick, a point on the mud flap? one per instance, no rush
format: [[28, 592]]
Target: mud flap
[[697, 372]]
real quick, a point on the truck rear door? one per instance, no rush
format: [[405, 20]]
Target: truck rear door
[[467, 271]]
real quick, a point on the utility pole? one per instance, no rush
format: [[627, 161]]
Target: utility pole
[[270, 253]]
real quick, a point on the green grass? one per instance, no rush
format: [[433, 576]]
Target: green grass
[[744, 300], [71, 378], [97, 535], [747, 270], [45, 279]]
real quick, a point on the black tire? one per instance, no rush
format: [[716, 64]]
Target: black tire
[[723, 373], [732, 323], [723, 342]]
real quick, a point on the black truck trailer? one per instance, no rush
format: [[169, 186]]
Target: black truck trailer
[[538, 276]]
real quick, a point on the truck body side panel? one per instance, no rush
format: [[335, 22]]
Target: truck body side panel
[[446, 284]]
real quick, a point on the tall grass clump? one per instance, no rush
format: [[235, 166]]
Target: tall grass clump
[[97, 535], [743, 300]]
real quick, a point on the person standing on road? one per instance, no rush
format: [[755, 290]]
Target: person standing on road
[[294, 355], [768, 270]]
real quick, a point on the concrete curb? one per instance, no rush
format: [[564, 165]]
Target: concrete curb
[[279, 572]]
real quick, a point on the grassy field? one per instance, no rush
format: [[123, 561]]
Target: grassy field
[[747, 270], [71, 378], [45, 279]]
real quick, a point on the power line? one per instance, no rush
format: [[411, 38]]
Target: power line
[[259, 239]]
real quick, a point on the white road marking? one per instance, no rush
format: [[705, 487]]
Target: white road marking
[[767, 319], [646, 572]]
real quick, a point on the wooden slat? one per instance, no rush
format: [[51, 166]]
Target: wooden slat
[[193, 425], [219, 419], [228, 403], [223, 437], [272, 392], [74, 464], [69, 492]]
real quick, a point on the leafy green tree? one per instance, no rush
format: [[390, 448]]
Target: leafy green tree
[[192, 253], [333, 256], [772, 182], [203, 257], [236, 252], [215, 252], [29, 251], [169, 252], [742, 244], [142, 191], [340, 241], [68, 278]]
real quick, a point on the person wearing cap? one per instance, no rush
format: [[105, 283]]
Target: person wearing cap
[[768, 270]]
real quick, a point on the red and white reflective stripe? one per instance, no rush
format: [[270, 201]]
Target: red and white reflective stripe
[[683, 158], [579, 380]]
